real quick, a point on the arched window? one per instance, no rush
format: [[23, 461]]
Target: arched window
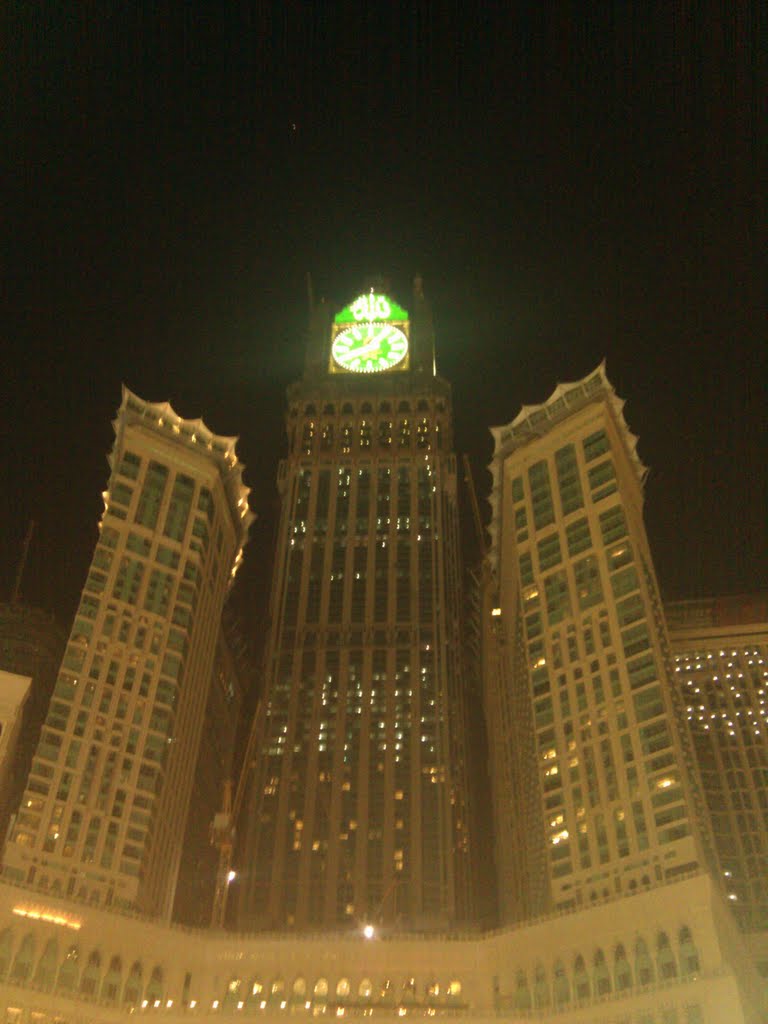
[[366, 407], [320, 990], [665, 958], [90, 980], [541, 993], [299, 988], [133, 986], [154, 991], [385, 407], [644, 970], [409, 990], [581, 983], [346, 409], [601, 977], [422, 404], [454, 990], [110, 987], [562, 987], [309, 410], [45, 971], [365, 989], [387, 991], [254, 994], [22, 963], [234, 993], [69, 970], [403, 407], [622, 972], [342, 988], [689, 955], [6, 945], [433, 991], [277, 992], [522, 996], [329, 409]]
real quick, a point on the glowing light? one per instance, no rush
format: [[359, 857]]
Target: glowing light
[[48, 916], [369, 931]]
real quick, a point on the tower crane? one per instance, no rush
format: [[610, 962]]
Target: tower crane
[[223, 828]]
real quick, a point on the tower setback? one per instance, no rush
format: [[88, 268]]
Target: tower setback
[[103, 814], [589, 744], [357, 804]]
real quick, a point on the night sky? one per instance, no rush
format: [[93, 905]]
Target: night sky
[[572, 181]]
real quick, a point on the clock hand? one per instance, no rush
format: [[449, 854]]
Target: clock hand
[[372, 346]]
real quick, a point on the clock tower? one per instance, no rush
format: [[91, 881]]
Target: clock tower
[[356, 810]]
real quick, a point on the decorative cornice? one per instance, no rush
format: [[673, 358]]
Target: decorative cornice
[[194, 435]]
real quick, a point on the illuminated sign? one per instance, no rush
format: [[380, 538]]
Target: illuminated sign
[[372, 308]]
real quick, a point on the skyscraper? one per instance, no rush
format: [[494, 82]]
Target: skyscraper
[[586, 720], [357, 803], [720, 647], [103, 813]]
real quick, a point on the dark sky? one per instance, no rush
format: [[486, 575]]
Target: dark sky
[[572, 181]]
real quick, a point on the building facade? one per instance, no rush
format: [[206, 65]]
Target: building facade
[[670, 955], [589, 743], [14, 694], [357, 808], [720, 649], [106, 801], [31, 644], [216, 768]]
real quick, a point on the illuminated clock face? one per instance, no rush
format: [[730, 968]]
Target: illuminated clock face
[[369, 348]]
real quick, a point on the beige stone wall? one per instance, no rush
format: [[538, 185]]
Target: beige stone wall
[[718, 987]]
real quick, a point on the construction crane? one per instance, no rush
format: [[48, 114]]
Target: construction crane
[[223, 828], [469, 481]]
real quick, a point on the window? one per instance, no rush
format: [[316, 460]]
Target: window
[[517, 489], [151, 495], [624, 582], [158, 592], [613, 524], [128, 580], [549, 552], [578, 537], [635, 639], [541, 495], [602, 480], [588, 587], [178, 507], [568, 480], [594, 445], [630, 610], [526, 569], [130, 465], [557, 596]]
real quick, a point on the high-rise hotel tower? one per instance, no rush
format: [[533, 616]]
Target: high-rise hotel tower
[[596, 792], [356, 810], [103, 814]]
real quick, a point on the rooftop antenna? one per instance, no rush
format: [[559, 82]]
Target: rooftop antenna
[[22, 562]]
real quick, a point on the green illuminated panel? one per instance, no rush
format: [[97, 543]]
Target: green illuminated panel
[[371, 308]]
